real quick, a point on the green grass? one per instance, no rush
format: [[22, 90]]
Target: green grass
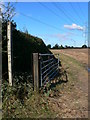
[[72, 67]]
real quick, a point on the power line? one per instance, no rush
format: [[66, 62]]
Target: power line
[[35, 19], [75, 10], [78, 4], [42, 22], [50, 10], [61, 10], [39, 21], [72, 17]]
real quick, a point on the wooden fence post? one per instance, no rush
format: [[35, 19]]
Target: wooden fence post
[[58, 61], [36, 71], [9, 50]]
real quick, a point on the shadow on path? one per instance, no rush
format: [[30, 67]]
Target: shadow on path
[[60, 79]]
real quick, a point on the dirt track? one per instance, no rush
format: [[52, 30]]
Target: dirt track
[[73, 102]]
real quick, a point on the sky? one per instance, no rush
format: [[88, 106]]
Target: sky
[[62, 23]]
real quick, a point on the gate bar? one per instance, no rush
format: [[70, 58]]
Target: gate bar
[[46, 54]]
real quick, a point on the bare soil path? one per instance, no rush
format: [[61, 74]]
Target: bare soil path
[[72, 99]]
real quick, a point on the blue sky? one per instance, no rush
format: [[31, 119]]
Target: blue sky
[[64, 22]]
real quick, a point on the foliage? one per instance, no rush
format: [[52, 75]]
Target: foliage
[[56, 46], [61, 47], [49, 46], [13, 97], [8, 13], [84, 46], [20, 101], [23, 47]]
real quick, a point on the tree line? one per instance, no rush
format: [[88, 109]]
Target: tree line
[[56, 46]]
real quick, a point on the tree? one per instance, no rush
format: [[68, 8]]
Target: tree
[[8, 13], [61, 47], [49, 46], [66, 46], [56, 46], [84, 46], [72, 47]]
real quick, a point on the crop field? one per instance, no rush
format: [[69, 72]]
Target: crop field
[[74, 99]]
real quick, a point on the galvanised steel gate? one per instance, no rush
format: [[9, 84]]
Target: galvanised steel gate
[[49, 67]]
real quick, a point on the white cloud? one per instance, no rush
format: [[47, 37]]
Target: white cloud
[[74, 27]]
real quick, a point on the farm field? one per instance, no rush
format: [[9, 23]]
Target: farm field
[[73, 102], [78, 54]]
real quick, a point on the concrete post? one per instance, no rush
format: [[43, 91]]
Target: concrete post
[[9, 50]]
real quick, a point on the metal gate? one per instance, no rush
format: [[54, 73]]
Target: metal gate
[[49, 67]]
